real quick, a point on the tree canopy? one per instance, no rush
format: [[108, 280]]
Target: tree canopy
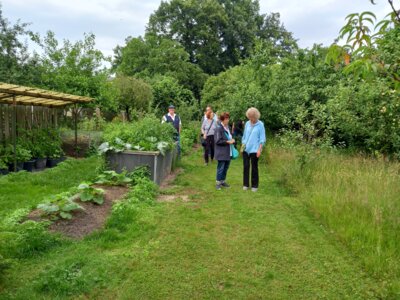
[[217, 34], [150, 56]]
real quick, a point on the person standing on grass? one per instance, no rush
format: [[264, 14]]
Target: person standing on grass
[[175, 120], [237, 130], [208, 110], [208, 129], [223, 149], [253, 142]]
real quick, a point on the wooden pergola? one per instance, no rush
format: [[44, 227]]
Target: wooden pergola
[[22, 95], [15, 95]]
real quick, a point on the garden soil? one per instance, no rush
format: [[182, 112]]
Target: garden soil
[[89, 220]]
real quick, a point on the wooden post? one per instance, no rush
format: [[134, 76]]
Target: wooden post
[[1, 124], [14, 131], [76, 129]]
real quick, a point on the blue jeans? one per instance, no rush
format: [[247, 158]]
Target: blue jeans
[[222, 169]]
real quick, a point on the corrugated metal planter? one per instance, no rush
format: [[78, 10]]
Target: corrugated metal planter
[[160, 165]]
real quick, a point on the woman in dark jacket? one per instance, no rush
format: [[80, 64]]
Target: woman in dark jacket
[[223, 152]]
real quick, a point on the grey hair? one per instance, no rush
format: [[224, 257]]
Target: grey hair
[[252, 111]]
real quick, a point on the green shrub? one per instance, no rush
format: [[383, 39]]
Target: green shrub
[[26, 239], [4, 265], [92, 124], [125, 212], [139, 173], [147, 134], [70, 277], [189, 136]]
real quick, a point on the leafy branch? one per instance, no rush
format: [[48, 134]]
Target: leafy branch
[[395, 13]]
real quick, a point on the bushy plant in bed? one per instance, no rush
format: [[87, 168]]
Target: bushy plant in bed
[[59, 206], [113, 178], [147, 134], [89, 193]]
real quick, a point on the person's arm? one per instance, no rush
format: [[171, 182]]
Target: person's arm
[[262, 140], [203, 128], [220, 137], [244, 137], [163, 119]]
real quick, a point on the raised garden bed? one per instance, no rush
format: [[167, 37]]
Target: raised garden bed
[[160, 166]]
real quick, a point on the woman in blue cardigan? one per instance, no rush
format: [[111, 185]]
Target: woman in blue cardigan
[[253, 142]]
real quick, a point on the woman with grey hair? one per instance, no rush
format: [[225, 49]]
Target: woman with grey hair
[[253, 142]]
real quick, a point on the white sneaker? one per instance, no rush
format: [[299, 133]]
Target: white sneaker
[[254, 189], [245, 188]]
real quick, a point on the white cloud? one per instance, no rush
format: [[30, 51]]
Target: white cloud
[[317, 21]]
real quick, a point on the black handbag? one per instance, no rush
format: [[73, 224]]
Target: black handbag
[[203, 141]]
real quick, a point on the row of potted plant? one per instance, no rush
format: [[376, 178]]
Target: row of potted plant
[[35, 149]]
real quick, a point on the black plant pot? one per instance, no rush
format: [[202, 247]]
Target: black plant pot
[[20, 166], [4, 171], [52, 162], [40, 163], [28, 165]]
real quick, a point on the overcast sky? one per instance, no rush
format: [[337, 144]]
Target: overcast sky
[[311, 21]]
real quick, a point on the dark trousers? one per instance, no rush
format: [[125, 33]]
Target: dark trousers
[[222, 169], [247, 160], [209, 148]]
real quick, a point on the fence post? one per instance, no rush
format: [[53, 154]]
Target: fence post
[[14, 131], [76, 129]]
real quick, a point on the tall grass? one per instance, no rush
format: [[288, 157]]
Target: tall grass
[[357, 198]]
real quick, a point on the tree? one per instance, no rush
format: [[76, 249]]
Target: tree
[[396, 12], [151, 56], [132, 94], [75, 68], [217, 34], [274, 33], [371, 46], [16, 64], [167, 91]]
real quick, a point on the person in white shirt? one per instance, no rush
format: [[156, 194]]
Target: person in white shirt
[[175, 120]]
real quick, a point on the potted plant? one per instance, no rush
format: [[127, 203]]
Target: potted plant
[[53, 151], [3, 167], [41, 140], [54, 155], [39, 154], [4, 157], [24, 156]]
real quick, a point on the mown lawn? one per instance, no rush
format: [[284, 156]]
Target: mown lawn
[[228, 244], [26, 190]]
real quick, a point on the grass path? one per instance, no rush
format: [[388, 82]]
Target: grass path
[[234, 244], [229, 244]]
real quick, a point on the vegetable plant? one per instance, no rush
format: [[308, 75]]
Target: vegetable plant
[[91, 194], [59, 206], [147, 134], [113, 178]]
